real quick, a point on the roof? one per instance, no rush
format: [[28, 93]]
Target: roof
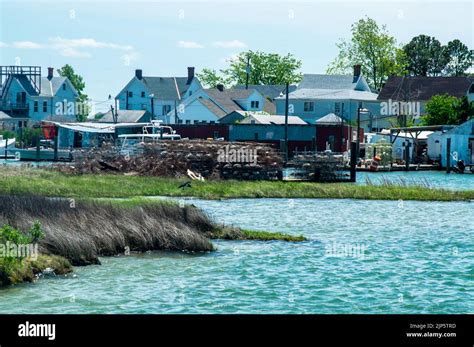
[[336, 94], [272, 90], [227, 98], [95, 127], [49, 87], [415, 88], [213, 107], [319, 81], [124, 116], [167, 88], [329, 119], [4, 117], [271, 119]]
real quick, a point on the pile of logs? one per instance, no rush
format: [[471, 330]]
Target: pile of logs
[[210, 159]]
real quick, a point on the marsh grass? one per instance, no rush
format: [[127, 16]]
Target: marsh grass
[[85, 230], [51, 183]]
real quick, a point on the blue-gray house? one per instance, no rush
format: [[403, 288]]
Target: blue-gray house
[[25, 93], [157, 95], [319, 95]]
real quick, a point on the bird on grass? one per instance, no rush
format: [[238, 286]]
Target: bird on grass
[[185, 185]]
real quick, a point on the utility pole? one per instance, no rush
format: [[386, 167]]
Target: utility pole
[[286, 121], [247, 71], [175, 112], [358, 131]]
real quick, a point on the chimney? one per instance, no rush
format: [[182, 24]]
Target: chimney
[[220, 87], [190, 74], [138, 74], [50, 73], [357, 71]]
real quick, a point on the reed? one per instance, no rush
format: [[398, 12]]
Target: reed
[[81, 231]]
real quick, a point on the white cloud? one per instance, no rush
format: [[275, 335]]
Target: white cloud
[[73, 53], [75, 48], [189, 44], [229, 44], [62, 43], [27, 45]]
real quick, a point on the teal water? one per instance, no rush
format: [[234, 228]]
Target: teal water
[[434, 179], [418, 258]]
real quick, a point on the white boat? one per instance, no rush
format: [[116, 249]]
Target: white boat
[[153, 132], [9, 143]]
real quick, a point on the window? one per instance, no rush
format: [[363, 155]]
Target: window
[[309, 106], [35, 106], [361, 105], [166, 109], [45, 106], [190, 92], [188, 121], [212, 122], [254, 104], [337, 108], [180, 121], [64, 86], [143, 94], [195, 121], [130, 94]]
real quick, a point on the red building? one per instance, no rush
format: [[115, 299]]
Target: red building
[[333, 133]]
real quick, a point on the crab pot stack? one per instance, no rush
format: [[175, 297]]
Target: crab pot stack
[[212, 160]]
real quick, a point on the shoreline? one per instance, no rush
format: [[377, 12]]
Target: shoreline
[[51, 183]]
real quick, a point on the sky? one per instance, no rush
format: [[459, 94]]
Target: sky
[[105, 41]]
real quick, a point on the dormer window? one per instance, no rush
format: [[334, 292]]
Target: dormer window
[[64, 86], [254, 104]]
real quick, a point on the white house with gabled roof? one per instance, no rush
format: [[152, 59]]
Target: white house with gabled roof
[[157, 95]]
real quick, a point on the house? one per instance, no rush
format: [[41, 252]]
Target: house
[[461, 146], [24, 93], [333, 133], [319, 95], [408, 95], [157, 95], [270, 93], [126, 116], [211, 105], [243, 117]]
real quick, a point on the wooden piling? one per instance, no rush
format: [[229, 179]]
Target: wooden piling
[[448, 155], [353, 161]]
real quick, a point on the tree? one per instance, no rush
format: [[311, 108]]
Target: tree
[[460, 58], [374, 49], [264, 68], [464, 109], [446, 109], [79, 84], [426, 56], [211, 78]]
